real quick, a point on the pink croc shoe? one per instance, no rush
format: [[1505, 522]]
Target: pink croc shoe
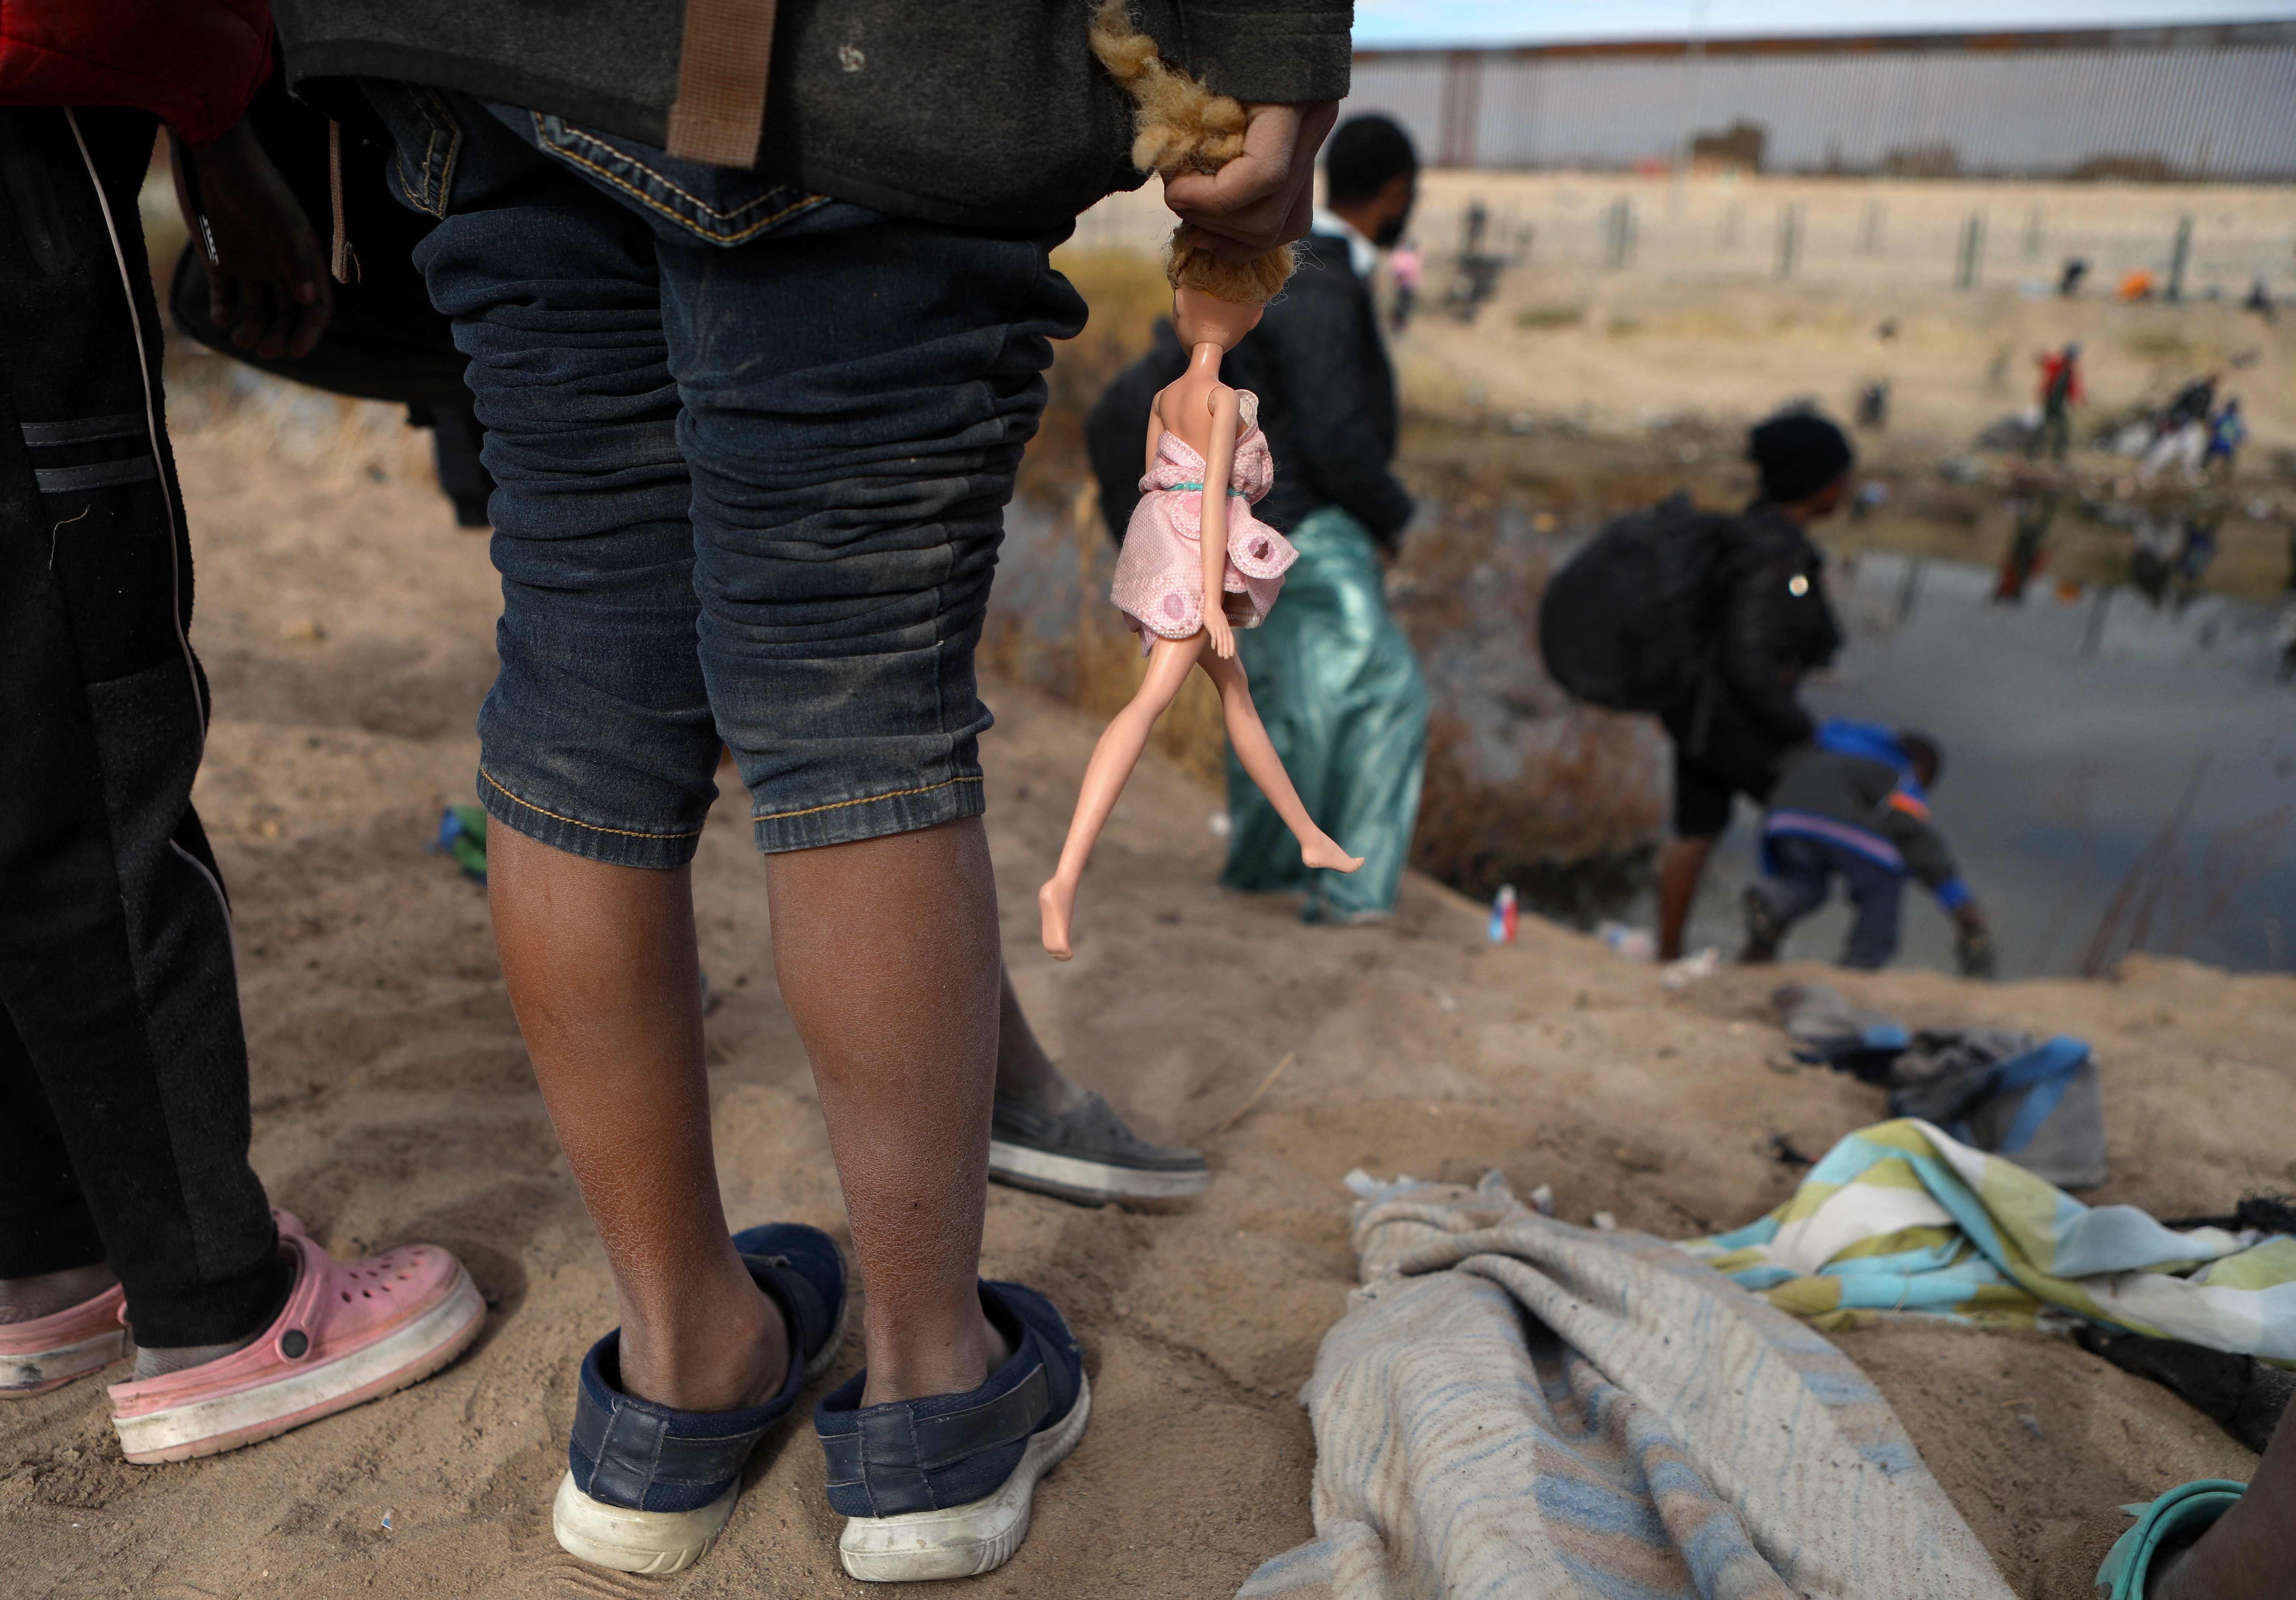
[[349, 1332], [47, 1351]]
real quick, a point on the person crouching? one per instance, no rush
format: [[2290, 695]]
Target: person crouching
[[1853, 804]]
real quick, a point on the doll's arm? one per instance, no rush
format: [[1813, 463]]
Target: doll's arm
[[1155, 433], [1219, 462]]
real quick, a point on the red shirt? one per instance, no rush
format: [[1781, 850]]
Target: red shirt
[[2051, 365], [194, 64]]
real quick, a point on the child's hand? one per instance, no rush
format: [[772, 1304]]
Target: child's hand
[[1262, 198], [1222, 636], [268, 288]]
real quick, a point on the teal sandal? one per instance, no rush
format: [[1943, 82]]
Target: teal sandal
[[2174, 1520]]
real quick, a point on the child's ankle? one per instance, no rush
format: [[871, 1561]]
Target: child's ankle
[[703, 1357], [939, 1370]]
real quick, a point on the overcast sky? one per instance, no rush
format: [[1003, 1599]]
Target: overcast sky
[[1384, 23]]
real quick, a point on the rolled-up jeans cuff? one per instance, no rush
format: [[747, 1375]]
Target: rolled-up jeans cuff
[[557, 827], [872, 816]]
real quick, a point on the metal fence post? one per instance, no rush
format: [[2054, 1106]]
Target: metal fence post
[[1909, 588], [2095, 632], [2033, 234], [1973, 250], [1869, 228], [1789, 237], [1619, 224], [2179, 253]]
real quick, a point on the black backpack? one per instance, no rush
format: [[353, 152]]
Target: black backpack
[[1629, 623]]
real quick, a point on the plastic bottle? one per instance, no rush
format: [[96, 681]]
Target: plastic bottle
[[1633, 943]]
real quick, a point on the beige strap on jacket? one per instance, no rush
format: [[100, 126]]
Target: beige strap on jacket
[[722, 64]]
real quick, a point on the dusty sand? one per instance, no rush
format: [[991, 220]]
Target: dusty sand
[[393, 1102]]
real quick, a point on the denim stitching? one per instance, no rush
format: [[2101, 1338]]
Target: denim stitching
[[432, 200], [628, 833], [454, 149], [776, 816], [399, 173], [671, 212], [430, 154], [699, 203]]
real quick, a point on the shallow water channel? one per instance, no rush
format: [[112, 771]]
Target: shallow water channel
[[2115, 774]]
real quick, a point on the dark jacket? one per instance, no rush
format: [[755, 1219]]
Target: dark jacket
[[988, 114], [1326, 403], [1775, 625], [1854, 787]]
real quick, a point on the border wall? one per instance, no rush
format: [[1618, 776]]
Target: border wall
[[2210, 103]]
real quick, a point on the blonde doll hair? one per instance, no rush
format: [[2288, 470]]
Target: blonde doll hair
[[1180, 125]]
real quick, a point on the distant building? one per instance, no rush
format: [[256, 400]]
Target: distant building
[[2215, 102]]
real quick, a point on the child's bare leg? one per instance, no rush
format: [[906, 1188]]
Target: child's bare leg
[[601, 969], [2247, 1555], [1104, 777], [887, 952], [1248, 736]]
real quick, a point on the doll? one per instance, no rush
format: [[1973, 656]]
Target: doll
[[1196, 565]]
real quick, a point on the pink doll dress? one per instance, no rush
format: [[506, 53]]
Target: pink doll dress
[[1159, 577]]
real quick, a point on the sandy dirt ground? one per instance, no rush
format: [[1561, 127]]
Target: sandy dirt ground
[[345, 625]]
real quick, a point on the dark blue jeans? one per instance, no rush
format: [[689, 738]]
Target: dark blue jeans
[[753, 448], [1798, 873]]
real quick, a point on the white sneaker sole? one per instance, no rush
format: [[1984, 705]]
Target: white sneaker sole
[[1073, 1177], [211, 1426], [963, 1541], [38, 1373], [653, 1543]]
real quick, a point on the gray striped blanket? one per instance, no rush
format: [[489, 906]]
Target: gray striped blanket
[[1514, 1407]]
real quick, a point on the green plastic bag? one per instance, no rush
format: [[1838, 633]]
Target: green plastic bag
[[462, 835], [1341, 693]]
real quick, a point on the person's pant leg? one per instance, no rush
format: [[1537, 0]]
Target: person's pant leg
[[1279, 659], [44, 1222], [1381, 754], [1796, 873], [1877, 897], [116, 970], [858, 391], [596, 737], [1339, 690]]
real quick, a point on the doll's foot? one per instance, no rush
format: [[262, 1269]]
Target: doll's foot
[[1325, 852], [1055, 902]]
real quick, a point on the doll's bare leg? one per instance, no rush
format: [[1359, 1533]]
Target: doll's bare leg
[[1249, 736], [1104, 777]]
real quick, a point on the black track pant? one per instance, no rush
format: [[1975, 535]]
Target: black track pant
[[123, 1072]]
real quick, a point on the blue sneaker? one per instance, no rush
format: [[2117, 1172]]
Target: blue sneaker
[[941, 1487], [648, 1488]]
